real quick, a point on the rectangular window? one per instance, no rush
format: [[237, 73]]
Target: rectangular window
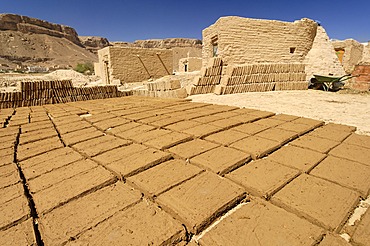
[[214, 42]]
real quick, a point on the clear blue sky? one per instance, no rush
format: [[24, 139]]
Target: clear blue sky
[[144, 19]]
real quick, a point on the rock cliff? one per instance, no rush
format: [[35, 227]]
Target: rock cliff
[[93, 43], [163, 43]]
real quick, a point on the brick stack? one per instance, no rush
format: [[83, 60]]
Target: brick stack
[[164, 89], [10, 99], [209, 78], [262, 77]]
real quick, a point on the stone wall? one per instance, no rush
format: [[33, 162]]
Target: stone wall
[[321, 59], [129, 65], [26, 24], [243, 40], [353, 52], [191, 64]]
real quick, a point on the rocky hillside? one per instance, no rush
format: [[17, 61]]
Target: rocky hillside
[[93, 44], [26, 41], [162, 43]]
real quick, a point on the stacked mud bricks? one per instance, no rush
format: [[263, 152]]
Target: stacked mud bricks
[[163, 88], [209, 78], [263, 77], [39, 93]]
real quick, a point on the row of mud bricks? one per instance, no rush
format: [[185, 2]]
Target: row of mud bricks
[[39, 93], [170, 88], [260, 77]]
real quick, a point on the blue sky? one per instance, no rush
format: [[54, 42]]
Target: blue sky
[[131, 20]]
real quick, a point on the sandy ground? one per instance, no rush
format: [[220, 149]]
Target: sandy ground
[[348, 109]]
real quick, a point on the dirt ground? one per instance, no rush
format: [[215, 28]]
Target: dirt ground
[[348, 109]]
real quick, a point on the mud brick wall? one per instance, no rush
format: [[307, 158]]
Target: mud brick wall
[[186, 52], [192, 63], [129, 65], [49, 92], [362, 82], [209, 77], [243, 40]]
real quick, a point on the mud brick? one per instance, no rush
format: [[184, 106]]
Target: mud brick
[[298, 128], [166, 121], [227, 114], [48, 161], [339, 127], [263, 178], [36, 148], [347, 173], [141, 224], [330, 134], [33, 136], [250, 128], [256, 146], [66, 119], [245, 118], [119, 153], [321, 145], [21, 233], [63, 223], [131, 133], [352, 152], [153, 119], [81, 135], [124, 127], [74, 126], [226, 137], [332, 239], [9, 175], [320, 201], [261, 114], [269, 122], [301, 159], [284, 117], [99, 145], [9, 131], [140, 115], [202, 130], [10, 192], [192, 148], [163, 177], [137, 162], [221, 159], [261, 223], [37, 126], [110, 123], [59, 175], [361, 235], [14, 210], [279, 135], [308, 121], [207, 118], [100, 117], [6, 156], [146, 136], [187, 201], [359, 140], [226, 123], [168, 140], [182, 125], [71, 188]]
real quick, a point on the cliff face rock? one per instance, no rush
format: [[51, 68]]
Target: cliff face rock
[[26, 24], [93, 44], [163, 43]]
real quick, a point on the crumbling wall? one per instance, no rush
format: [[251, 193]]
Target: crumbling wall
[[321, 59], [366, 54], [190, 64], [353, 52], [129, 65], [242, 40]]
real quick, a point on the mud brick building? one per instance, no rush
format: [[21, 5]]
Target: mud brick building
[[120, 65]]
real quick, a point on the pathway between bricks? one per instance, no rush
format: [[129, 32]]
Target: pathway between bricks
[[146, 171]]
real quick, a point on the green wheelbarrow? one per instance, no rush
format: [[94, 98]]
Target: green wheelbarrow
[[329, 83]]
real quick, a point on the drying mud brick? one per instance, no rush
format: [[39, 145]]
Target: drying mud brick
[[119, 153], [321, 145], [33, 136], [207, 119], [361, 235], [269, 122], [36, 148], [71, 188], [263, 178], [221, 159], [13, 211], [103, 116], [284, 117], [339, 127], [261, 114], [226, 123], [37, 126], [202, 130], [167, 121], [347, 173], [192, 148], [359, 140], [256, 146], [59, 175], [21, 234], [301, 159], [332, 239], [78, 136], [261, 223], [131, 133], [163, 177], [10, 192], [63, 223], [226, 137], [168, 140], [182, 125], [99, 145], [110, 123], [199, 201], [352, 152], [137, 162], [310, 122], [330, 134], [278, 135], [49, 161], [250, 128], [72, 126], [142, 224], [320, 201], [298, 128], [147, 136], [9, 175]]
